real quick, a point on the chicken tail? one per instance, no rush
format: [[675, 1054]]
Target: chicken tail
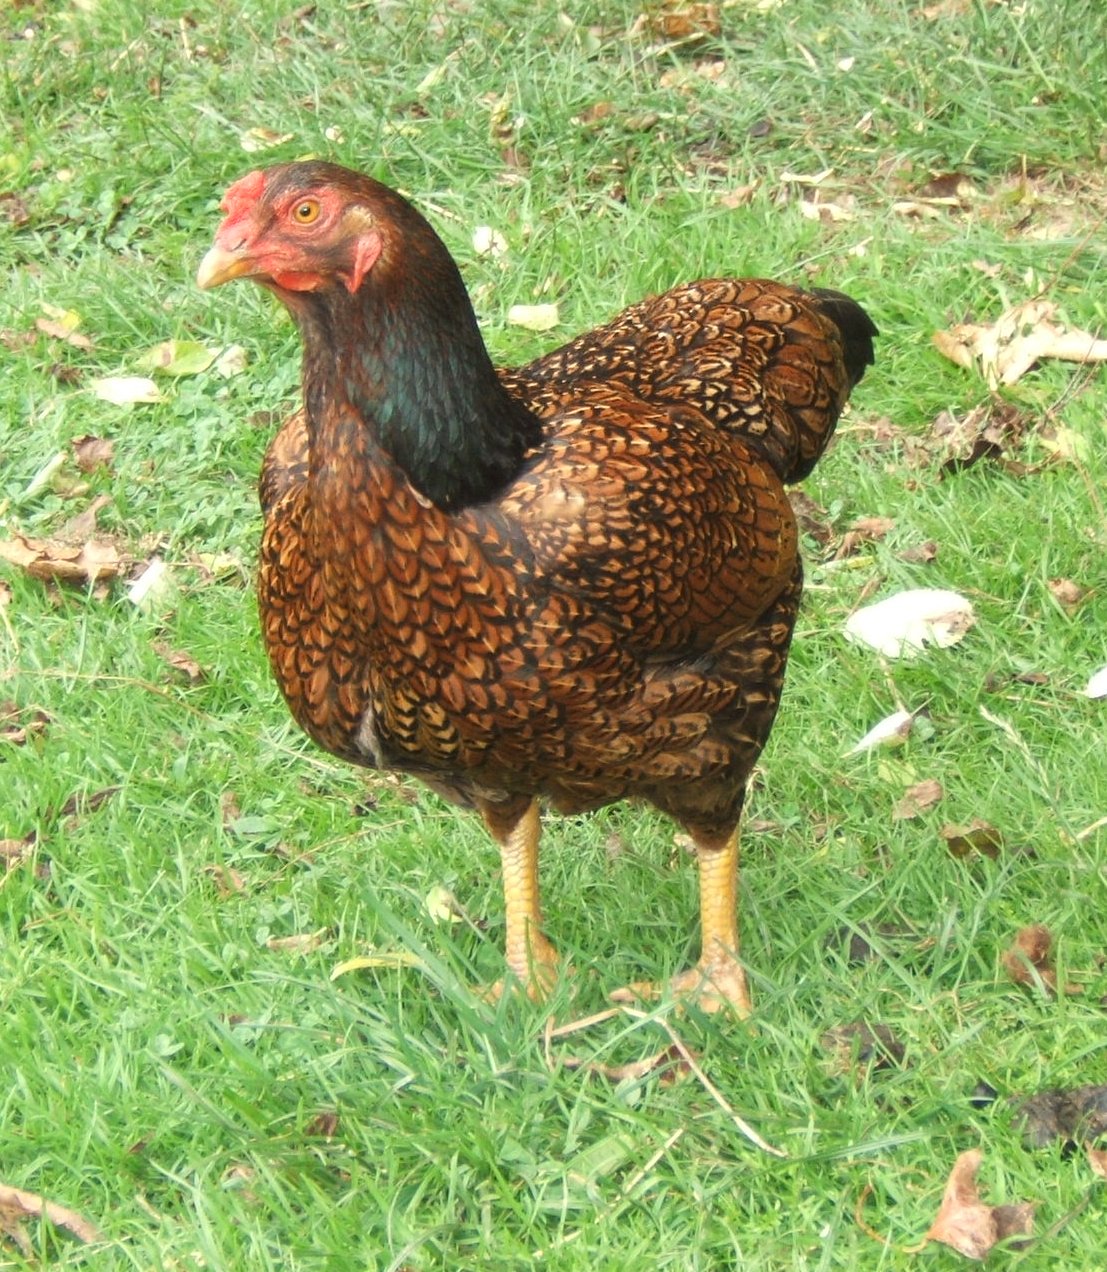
[[857, 329]]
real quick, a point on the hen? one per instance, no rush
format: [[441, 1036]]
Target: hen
[[572, 582]]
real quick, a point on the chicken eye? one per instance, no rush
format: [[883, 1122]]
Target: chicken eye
[[306, 211]]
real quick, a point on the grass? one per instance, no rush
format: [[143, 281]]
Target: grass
[[210, 1101]]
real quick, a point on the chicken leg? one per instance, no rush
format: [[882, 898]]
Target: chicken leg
[[530, 957], [717, 980]]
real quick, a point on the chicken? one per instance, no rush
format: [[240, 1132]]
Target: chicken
[[570, 583]]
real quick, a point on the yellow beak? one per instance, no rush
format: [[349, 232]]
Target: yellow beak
[[220, 266]]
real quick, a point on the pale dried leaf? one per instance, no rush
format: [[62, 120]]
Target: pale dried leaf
[[489, 242], [59, 329], [126, 390], [1067, 594], [83, 525], [254, 140], [902, 624], [153, 586], [969, 1225], [299, 943], [917, 799], [534, 317], [227, 880], [232, 361], [1020, 337], [1029, 961], [1097, 1160], [16, 1201], [893, 730], [1096, 686]]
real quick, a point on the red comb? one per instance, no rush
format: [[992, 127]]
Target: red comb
[[247, 189]]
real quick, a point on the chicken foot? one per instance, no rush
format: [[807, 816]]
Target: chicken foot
[[530, 957], [718, 979]]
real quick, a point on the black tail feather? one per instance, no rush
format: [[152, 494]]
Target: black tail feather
[[857, 328]]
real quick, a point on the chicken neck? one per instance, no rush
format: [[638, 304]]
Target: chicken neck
[[403, 356]]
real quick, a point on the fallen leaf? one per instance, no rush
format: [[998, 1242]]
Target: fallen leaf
[[990, 431], [489, 242], [534, 317], [60, 330], [324, 1125], [17, 1202], [893, 730], [63, 562], [969, 1225], [668, 1063], [228, 881], [1028, 961], [917, 799], [687, 21], [442, 906], [1020, 337], [300, 943], [93, 452], [13, 851], [901, 625], [126, 390], [863, 530], [81, 804], [154, 586], [395, 959], [862, 1045], [920, 553], [177, 357], [179, 661], [1096, 687], [1067, 594], [83, 525], [256, 139], [1097, 1160], [1067, 1116], [231, 362], [978, 836], [17, 724]]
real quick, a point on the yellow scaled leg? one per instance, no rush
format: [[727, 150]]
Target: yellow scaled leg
[[717, 980], [530, 957]]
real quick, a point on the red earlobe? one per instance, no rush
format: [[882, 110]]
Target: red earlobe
[[369, 247]]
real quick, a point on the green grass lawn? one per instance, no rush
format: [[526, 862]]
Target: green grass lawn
[[204, 1092]]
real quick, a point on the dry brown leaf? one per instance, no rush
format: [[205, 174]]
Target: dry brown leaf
[[685, 21], [1070, 1115], [668, 1063], [1020, 337], [17, 1203], [179, 661], [93, 452], [1029, 962], [917, 799], [229, 808], [1097, 1160], [228, 882], [83, 525], [17, 724], [14, 851], [990, 431], [920, 553], [299, 943], [978, 836], [863, 530], [82, 803], [969, 1225], [859, 1045], [323, 1124], [1067, 594], [63, 562]]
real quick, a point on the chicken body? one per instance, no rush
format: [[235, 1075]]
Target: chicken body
[[593, 600]]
